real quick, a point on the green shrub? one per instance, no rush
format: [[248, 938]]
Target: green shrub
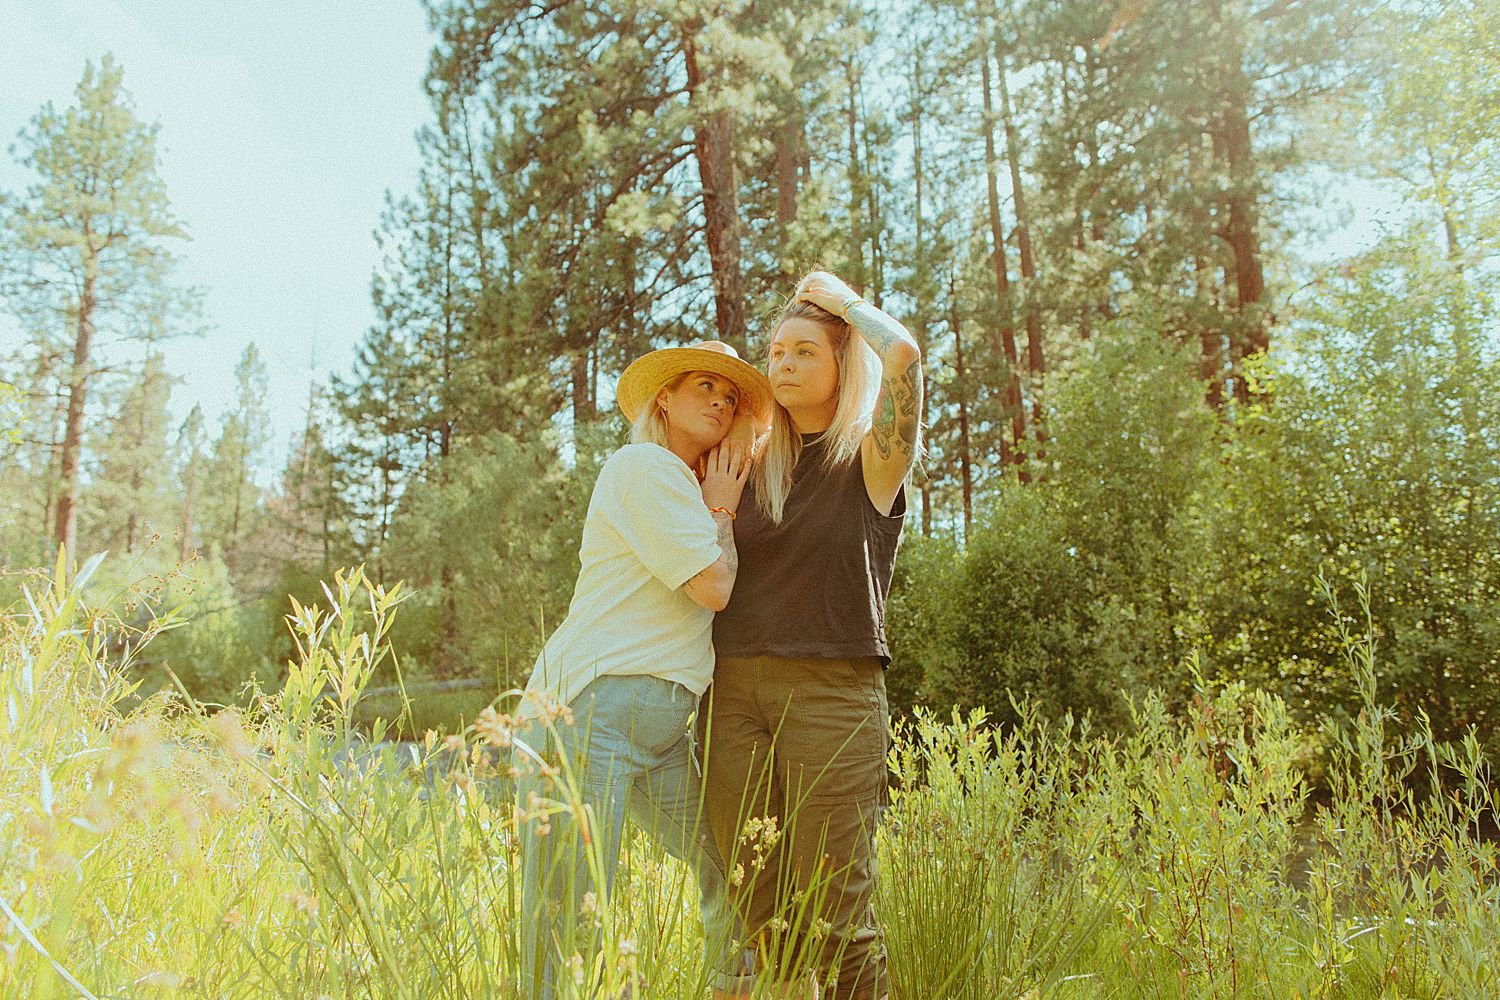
[[1076, 591], [1374, 459]]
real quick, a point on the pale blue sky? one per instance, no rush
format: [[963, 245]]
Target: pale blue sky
[[282, 127]]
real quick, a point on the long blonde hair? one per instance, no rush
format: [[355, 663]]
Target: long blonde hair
[[859, 380]]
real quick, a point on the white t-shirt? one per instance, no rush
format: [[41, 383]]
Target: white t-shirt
[[646, 534]]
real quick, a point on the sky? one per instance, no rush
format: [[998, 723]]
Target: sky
[[283, 126]]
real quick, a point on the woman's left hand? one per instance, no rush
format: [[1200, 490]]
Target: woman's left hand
[[726, 469], [826, 291]]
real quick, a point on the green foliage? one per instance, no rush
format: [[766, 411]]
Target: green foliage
[[229, 506], [270, 852], [129, 499], [85, 259], [1436, 117], [490, 542], [1373, 460], [229, 649], [1071, 591]]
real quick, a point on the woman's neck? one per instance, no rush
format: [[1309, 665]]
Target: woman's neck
[[814, 420], [689, 453], [689, 456]]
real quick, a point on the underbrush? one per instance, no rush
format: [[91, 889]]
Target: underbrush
[[273, 851]]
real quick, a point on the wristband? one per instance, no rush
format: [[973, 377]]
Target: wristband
[[722, 510]]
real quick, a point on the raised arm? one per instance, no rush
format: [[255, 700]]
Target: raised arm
[[890, 448], [727, 469]]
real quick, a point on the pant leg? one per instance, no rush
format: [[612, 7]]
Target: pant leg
[[552, 867], [740, 790], [831, 763], [667, 802], [822, 727], [574, 801]]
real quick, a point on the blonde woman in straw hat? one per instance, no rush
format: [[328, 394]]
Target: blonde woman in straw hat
[[604, 722], [797, 716]]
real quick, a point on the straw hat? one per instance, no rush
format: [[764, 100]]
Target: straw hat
[[646, 375]]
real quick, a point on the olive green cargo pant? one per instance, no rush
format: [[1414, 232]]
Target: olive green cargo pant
[[795, 774]]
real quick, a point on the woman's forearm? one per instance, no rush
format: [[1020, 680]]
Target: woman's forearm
[[710, 588], [891, 342]]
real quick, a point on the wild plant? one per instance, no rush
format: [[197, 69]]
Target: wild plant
[[277, 850]]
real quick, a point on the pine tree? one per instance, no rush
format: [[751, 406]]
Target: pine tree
[[128, 498], [231, 502], [84, 253]]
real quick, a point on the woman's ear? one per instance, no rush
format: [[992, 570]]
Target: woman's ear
[[661, 399]]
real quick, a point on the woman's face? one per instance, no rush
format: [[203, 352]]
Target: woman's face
[[700, 408], [804, 371]]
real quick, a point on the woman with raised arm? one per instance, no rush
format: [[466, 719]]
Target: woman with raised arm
[[605, 720], [796, 720]]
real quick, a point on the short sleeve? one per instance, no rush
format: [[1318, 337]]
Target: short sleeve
[[653, 501]]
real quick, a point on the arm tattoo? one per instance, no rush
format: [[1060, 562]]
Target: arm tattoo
[[728, 554], [897, 414], [879, 330]]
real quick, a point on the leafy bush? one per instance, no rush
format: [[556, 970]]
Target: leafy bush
[[492, 549], [1073, 590], [1374, 459]]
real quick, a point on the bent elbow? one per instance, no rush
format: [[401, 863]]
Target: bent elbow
[[904, 352], [711, 592]]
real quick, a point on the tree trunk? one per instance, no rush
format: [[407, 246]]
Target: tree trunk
[[579, 372], [960, 379], [713, 142], [1036, 362], [1011, 392], [919, 256], [185, 540], [789, 140], [1210, 335], [65, 529], [858, 278], [1241, 230]]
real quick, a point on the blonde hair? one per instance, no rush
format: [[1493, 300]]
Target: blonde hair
[[859, 381], [650, 426]]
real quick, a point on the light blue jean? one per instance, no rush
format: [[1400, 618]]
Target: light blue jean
[[630, 746]]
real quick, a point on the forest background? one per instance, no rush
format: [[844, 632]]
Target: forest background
[[1151, 426]]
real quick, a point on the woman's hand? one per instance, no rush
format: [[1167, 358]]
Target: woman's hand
[[826, 291], [726, 468], [747, 431]]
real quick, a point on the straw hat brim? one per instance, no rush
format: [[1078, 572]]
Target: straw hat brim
[[646, 375]]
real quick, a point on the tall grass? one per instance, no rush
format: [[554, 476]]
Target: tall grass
[[273, 852]]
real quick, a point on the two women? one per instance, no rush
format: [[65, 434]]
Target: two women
[[797, 717], [606, 715], [797, 720]]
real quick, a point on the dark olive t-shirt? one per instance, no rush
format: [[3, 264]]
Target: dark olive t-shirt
[[814, 585]]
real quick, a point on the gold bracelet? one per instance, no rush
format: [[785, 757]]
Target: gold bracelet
[[849, 304], [722, 510]]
